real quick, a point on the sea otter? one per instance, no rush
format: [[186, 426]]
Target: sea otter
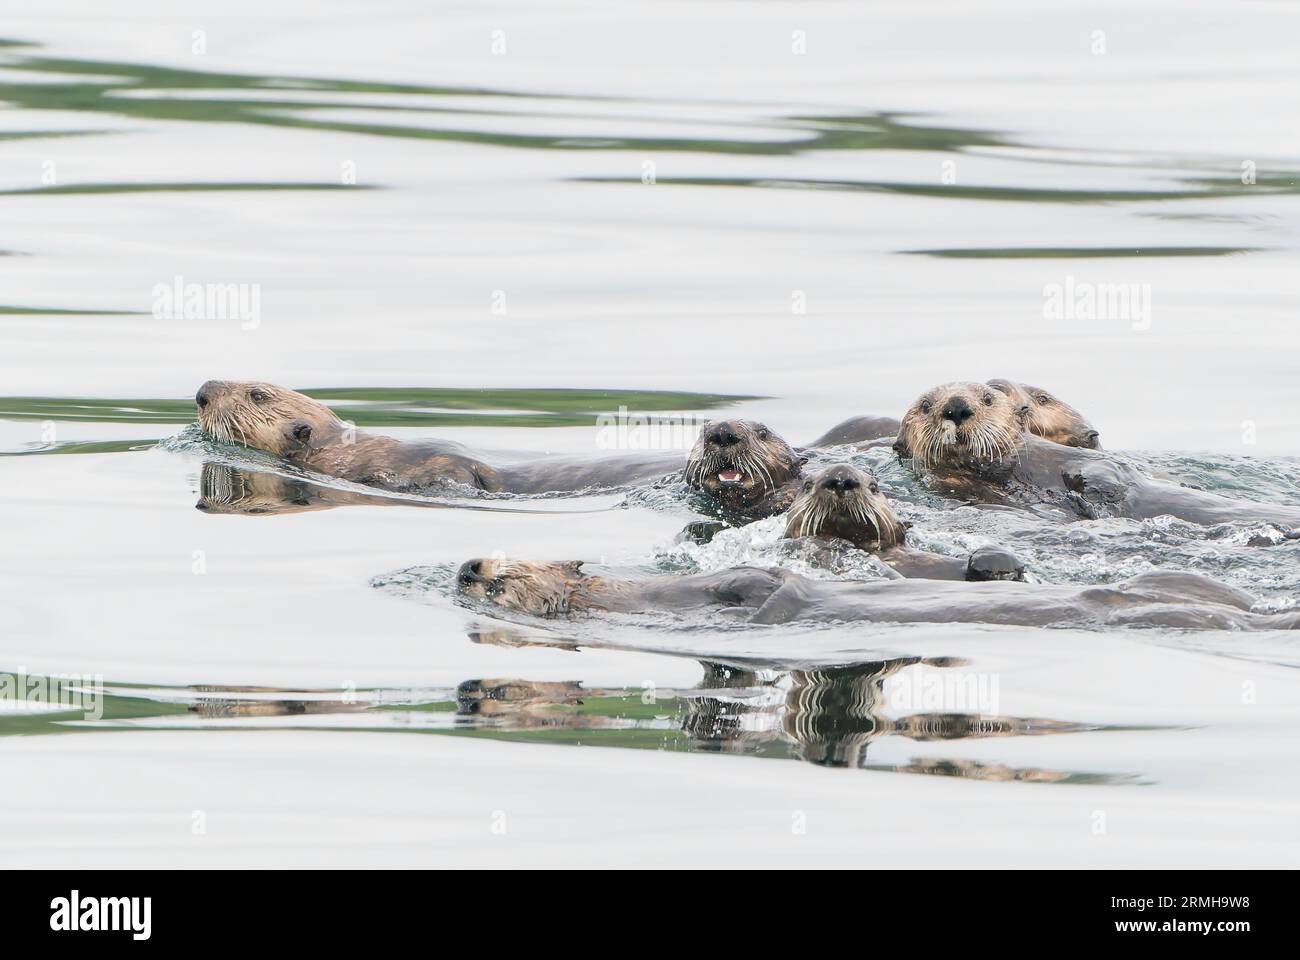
[[758, 596], [845, 503], [968, 440], [1046, 416], [1050, 417], [746, 470], [309, 434]]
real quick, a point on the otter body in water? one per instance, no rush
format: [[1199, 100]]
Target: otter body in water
[[757, 596], [845, 503], [1045, 415], [858, 430], [309, 434], [968, 440]]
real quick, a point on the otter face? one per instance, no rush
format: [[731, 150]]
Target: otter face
[[846, 503], [1050, 417], [961, 422], [538, 589], [740, 461], [263, 416]]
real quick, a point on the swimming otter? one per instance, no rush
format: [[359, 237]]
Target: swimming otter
[[309, 434], [968, 440], [757, 596], [1047, 416], [745, 468], [845, 503]]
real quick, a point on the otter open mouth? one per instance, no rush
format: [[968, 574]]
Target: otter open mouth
[[731, 477]]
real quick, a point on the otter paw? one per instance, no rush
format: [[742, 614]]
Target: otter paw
[[701, 531], [994, 563]]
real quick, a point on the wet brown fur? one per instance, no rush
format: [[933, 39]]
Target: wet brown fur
[[308, 433], [1050, 417], [771, 470], [828, 507]]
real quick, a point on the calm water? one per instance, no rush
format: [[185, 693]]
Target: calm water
[[496, 225]]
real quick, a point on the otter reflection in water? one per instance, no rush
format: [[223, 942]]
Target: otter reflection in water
[[823, 715], [225, 489], [968, 440], [760, 596]]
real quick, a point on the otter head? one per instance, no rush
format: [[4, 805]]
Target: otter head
[[740, 461], [539, 589], [846, 503], [1049, 416], [961, 423], [262, 415]]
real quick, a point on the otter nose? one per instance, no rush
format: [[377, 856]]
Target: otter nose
[[723, 435], [203, 396], [958, 411], [471, 572], [840, 483]]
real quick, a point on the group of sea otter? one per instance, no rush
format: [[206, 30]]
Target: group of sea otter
[[1000, 443]]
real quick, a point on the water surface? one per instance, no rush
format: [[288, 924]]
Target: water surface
[[665, 209]]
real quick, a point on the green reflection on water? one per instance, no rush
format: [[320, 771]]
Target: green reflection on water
[[1213, 188], [82, 188], [64, 312], [97, 86], [380, 407], [1076, 253]]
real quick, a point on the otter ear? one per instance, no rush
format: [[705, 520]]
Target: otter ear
[[802, 461], [572, 566], [1022, 414], [301, 431]]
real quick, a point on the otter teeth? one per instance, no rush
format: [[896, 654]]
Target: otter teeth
[[730, 476]]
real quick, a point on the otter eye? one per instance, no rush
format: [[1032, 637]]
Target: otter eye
[[1044, 398], [807, 485], [258, 396], [875, 487], [988, 399], [763, 434], [925, 406]]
